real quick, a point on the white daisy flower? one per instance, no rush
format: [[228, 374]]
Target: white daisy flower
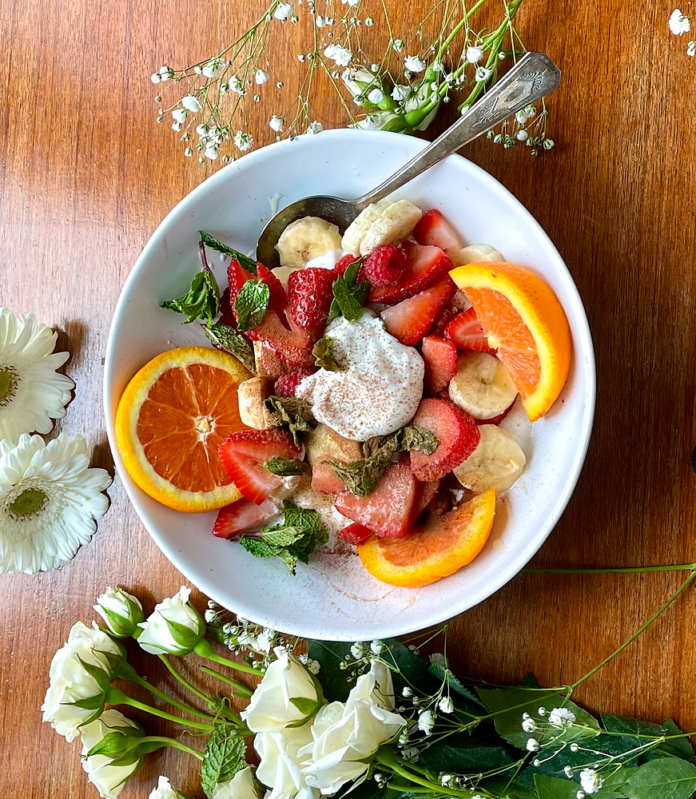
[[31, 393], [414, 64], [49, 502], [678, 23]]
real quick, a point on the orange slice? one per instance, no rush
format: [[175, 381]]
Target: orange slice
[[525, 322], [170, 422], [441, 547]]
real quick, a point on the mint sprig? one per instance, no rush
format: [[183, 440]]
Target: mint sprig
[[291, 413], [202, 301], [224, 756], [228, 339], [349, 295], [251, 304], [285, 467], [210, 241], [324, 355]]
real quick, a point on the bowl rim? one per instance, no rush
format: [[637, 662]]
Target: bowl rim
[[582, 335]]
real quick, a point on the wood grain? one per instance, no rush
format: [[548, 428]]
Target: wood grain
[[86, 174]]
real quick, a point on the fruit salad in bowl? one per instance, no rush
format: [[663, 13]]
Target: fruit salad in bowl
[[358, 393]]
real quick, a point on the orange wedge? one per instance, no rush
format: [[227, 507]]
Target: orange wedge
[[525, 322], [437, 549], [170, 422]]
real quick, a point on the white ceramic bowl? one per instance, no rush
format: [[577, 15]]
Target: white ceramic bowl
[[334, 597]]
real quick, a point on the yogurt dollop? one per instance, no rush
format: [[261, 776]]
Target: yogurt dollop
[[379, 387]]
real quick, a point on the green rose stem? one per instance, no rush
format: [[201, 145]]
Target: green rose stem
[[204, 649], [242, 690], [127, 672], [386, 757], [170, 742], [116, 697]]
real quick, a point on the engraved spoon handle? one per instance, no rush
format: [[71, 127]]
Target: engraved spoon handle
[[534, 76]]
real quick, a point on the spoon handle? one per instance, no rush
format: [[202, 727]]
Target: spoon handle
[[534, 76]]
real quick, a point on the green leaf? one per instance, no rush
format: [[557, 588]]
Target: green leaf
[[418, 438], [677, 747], [248, 263], [228, 339], [201, 302], [462, 754], [631, 728], [530, 681], [291, 413], [116, 743], [251, 304], [349, 295], [615, 786], [306, 706], [323, 354], [97, 673], [555, 788], [444, 674], [224, 756], [285, 467], [334, 680], [666, 778]]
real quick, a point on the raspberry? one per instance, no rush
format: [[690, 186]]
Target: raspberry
[[445, 317], [384, 266], [344, 263], [310, 296], [286, 385]]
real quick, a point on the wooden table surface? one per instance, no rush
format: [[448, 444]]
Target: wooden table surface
[[86, 175]]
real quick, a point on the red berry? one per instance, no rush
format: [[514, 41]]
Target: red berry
[[383, 266], [440, 357], [445, 317], [243, 516], [344, 263], [278, 299], [293, 347], [457, 433], [237, 276], [467, 333], [354, 534], [286, 385], [227, 316], [310, 297], [425, 266], [436, 230], [324, 481], [426, 494], [413, 318]]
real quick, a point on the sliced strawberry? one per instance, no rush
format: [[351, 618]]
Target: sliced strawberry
[[384, 266], [293, 347], [387, 510], [355, 534], [243, 455], [425, 266], [324, 480], [436, 230], [344, 263], [243, 516], [466, 332], [286, 385], [237, 276], [499, 418], [227, 316], [310, 297], [440, 357], [279, 298], [426, 494], [445, 316], [412, 319], [457, 434]]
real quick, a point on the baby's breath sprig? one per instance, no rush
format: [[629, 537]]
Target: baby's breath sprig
[[446, 58], [679, 24]]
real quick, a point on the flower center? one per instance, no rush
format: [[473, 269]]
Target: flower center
[[8, 385], [27, 504]]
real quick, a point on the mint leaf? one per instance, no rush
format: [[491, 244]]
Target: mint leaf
[[349, 295], [291, 413], [228, 339], [323, 353], [292, 540], [201, 302], [251, 304], [248, 263], [667, 778], [224, 756], [284, 467]]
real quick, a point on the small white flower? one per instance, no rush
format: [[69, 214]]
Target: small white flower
[[358, 650], [121, 611], [243, 141], [340, 55], [561, 718], [188, 152], [179, 115], [211, 69], [438, 659], [276, 123], [163, 790], [426, 722], [283, 11], [155, 77], [351, 3], [691, 49], [590, 780], [235, 85], [542, 711], [241, 786], [191, 103], [377, 647], [532, 745], [398, 45], [376, 96], [482, 74], [678, 24], [406, 692], [373, 121], [261, 76], [166, 73], [108, 779], [580, 795], [32, 394], [446, 704], [528, 725], [49, 502], [568, 771], [176, 126], [314, 127], [474, 54], [202, 131], [400, 92], [574, 747], [414, 64], [522, 135], [321, 22], [174, 627]]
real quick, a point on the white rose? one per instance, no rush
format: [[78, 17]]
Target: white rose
[[174, 628], [272, 707], [281, 762], [346, 735], [70, 682], [121, 611], [241, 786], [108, 779], [163, 790]]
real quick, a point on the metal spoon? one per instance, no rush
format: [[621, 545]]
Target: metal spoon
[[534, 76]]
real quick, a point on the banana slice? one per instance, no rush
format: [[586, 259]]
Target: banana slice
[[305, 239], [475, 253], [361, 224], [393, 225], [482, 386], [496, 462], [283, 273]]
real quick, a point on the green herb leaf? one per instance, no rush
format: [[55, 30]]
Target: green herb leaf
[[251, 304], [667, 778], [248, 263], [349, 295], [555, 788], [201, 302], [224, 756], [292, 540], [285, 467], [228, 339], [323, 353], [291, 413]]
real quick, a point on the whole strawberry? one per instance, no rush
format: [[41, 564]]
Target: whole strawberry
[[310, 297], [383, 266]]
